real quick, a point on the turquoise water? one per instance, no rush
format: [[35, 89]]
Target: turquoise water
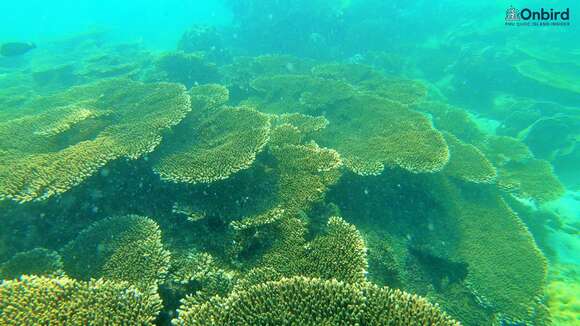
[[254, 162]]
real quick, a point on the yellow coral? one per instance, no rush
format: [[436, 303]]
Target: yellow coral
[[453, 120], [563, 294], [34, 300], [467, 162], [506, 269], [339, 253], [216, 147], [38, 261], [126, 248], [73, 134], [311, 301], [370, 132], [533, 178]]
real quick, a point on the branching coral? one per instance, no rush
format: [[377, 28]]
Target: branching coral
[[467, 162], [202, 269], [370, 132], [219, 145], [38, 261], [350, 73], [305, 123], [306, 171], [339, 253], [126, 248], [311, 301], [367, 79], [209, 97], [34, 300], [266, 218], [75, 133], [399, 90]]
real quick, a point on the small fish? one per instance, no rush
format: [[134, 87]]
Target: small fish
[[14, 49]]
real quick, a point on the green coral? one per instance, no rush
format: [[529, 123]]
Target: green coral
[[468, 163], [298, 93], [201, 269], [266, 218], [71, 135], [38, 261], [506, 270], [339, 253], [367, 79], [372, 132], [503, 149], [218, 145], [307, 301], [126, 248], [531, 179], [187, 68], [243, 70], [305, 123], [306, 172], [350, 73], [453, 120], [34, 300], [209, 96]]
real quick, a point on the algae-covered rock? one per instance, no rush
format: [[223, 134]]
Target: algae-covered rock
[[562, 76]]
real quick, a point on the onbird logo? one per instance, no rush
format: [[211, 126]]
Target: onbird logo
[[512, 14]]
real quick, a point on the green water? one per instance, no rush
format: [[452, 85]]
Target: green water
[[253, 162]]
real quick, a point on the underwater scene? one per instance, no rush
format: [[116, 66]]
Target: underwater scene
[[290, 162]]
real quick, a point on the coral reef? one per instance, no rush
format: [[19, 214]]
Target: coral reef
[[187, 68], [530, 179], [311, 301], [125, 248], [343, 241], [467, 162], [371, 132], [562, 294], [509, 279], [34, 300], [220, 144], [38, 261], [75, 133]]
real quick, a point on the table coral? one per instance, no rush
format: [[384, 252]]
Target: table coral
[[75, 133], [220, 144], [371, 132]]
